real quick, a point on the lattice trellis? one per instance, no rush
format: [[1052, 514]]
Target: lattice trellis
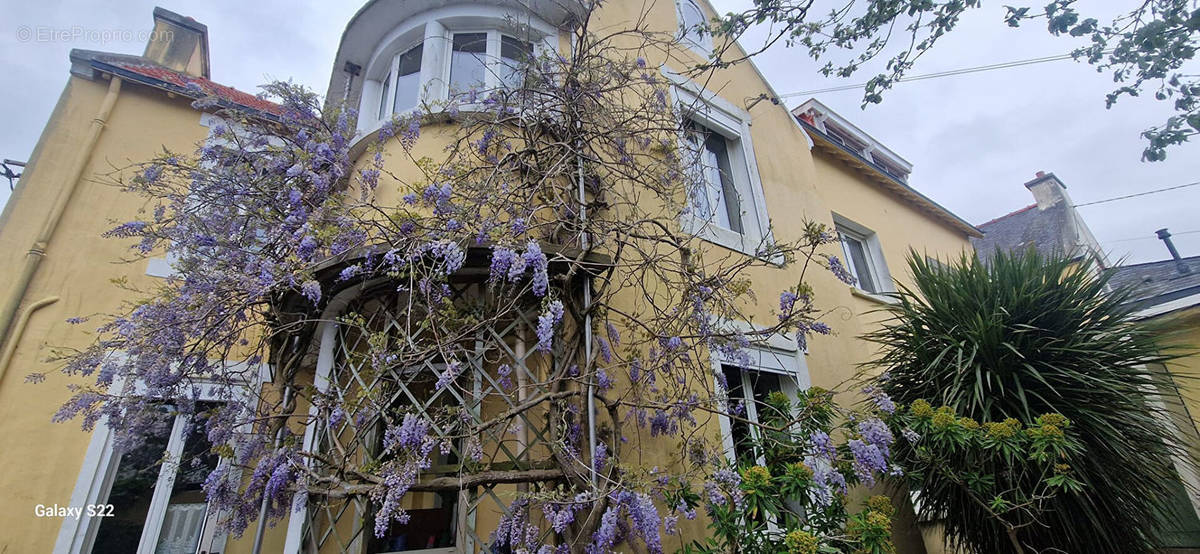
[[479, 392]]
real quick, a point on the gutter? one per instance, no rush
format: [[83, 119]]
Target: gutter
[[37, 251]]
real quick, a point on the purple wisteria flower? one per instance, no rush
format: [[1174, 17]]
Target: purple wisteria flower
[[546, 323], [840, 271], [880, 399], [868, 460]]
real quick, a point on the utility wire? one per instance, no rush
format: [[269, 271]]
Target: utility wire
[[1152, 238], [1135, 195], [948, 73]]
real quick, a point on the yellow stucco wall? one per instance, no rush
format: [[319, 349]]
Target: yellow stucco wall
[[1182, 332], [42, 459]]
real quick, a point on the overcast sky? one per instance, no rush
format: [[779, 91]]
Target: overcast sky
[[973, 140]]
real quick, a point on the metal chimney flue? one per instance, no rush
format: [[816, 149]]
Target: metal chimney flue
[[1165, 236]]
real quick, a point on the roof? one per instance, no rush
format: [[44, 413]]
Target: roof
[[903, 189], [86, 63], [1043, 229], [1158, 282], [818, 106]]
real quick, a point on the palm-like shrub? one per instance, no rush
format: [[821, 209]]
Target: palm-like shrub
[[1022, 335]]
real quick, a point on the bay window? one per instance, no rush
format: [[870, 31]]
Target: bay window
[[449, 53]]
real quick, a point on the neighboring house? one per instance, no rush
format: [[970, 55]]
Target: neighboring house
[[118, 108], [1050, 225], [1165, 292]]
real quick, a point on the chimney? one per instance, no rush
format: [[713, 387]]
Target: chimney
[[1047, 190], [179, 42], [1165, 236]]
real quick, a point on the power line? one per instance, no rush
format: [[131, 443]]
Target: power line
[[1150, 238], [948, 73], [1135, 195]]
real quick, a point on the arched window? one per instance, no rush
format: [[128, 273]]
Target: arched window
[[692, 25]]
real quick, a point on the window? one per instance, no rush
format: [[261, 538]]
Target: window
[[514, 53], [401, 92], [453, 49], [383, 97], [408, 79], [715, 197], [169, 468], [864, 259], [692, 26], [468, 61], [487, 60], [724, 202], [433, 516], [748, 390]]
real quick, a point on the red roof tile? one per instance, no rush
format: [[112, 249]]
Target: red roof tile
[[1015, 212], [182, 80]]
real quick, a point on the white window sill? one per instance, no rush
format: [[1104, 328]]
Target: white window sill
[[720, 236], [873, 297]]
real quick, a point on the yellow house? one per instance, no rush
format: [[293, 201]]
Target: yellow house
[[118, 109]]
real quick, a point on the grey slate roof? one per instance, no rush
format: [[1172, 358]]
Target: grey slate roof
[[1158, 282], [1043, 229]]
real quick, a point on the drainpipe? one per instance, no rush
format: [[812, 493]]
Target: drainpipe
[[38, 250], [1165, 236], [20, 329]]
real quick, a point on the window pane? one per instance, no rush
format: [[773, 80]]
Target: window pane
[[408, 83], [183, 522], [727, 208], [743, 448], [856, 252], [693, 18], [716, 199], [383, 96], [514, 54], [132, 488], [468, 65]]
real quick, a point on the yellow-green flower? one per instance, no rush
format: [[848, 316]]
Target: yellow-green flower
[[1057, 420], [755, 477], [921, 408], [881, 504], [801, 542], [943, 417], [999, 430], [968, 423]]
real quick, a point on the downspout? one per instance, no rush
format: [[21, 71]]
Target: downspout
[[587, 320], [38, 250], [19, 330]]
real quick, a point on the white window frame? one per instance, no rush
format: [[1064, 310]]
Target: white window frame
[[873, 251], [778, 355], [435, 30], [722, 117], [700, 43], [99, 470], [493, 63]]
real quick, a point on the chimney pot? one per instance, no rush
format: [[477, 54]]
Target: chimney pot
[[1165, 236]]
